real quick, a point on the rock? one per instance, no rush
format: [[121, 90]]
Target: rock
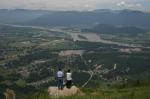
[[10, 94], [54, 92]]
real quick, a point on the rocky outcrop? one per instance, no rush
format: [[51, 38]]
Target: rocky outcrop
[[54, 92], [9, 94]]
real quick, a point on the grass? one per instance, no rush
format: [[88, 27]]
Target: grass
[[90, 93], [128, 93]]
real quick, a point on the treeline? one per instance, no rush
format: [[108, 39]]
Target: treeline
[[105, 28]]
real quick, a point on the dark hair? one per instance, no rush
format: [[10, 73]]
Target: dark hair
[[59, 69], [68, 70]]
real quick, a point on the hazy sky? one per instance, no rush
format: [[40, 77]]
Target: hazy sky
[[76, 4]]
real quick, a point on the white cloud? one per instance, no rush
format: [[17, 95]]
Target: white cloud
[[73, 4], [50, 4], [122, 3], [128, 4]]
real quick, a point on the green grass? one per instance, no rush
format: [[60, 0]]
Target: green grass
[[90, 93], [128, 93], [38, 95]]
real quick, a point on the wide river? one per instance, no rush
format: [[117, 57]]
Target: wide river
[[93, 37]]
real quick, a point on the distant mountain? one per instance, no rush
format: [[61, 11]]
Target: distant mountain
[[105, 28], [72, 18], [121, 18], [19, 15]]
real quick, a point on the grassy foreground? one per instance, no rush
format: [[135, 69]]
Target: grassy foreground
[[127, 93]]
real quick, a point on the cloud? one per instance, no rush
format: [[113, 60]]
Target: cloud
[[75, 4], [50, 4], [128, 4], [122, 3]]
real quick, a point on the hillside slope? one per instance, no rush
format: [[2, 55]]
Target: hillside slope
[[127, 93]]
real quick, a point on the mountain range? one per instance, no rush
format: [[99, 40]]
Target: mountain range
[[75, 18]]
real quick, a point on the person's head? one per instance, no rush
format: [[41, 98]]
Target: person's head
[[59, 69], [68, 70]]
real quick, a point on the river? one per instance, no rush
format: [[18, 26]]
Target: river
[[90, 37], [93, 37]]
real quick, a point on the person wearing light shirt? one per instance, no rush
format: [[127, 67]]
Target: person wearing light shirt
[[60, 76], [68, 79]]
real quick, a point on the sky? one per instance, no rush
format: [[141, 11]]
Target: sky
[[143, 5]]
